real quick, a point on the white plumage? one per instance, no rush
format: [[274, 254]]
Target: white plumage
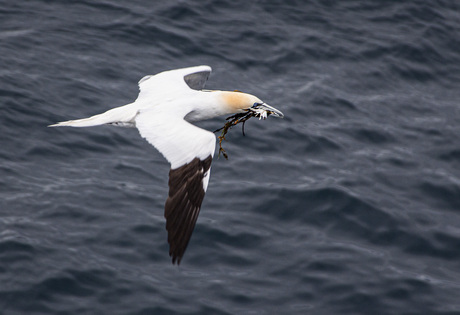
[[178, 140], [162, 113]]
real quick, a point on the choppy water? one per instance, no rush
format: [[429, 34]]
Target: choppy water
[[350, 205]]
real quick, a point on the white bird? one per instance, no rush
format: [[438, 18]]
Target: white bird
[[162, 113]]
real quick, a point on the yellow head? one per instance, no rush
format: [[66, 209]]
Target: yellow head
[[238, 102]]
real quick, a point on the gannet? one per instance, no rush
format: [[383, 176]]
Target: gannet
[[166, 105]]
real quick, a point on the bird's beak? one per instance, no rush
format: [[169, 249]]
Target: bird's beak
[[271, 110]]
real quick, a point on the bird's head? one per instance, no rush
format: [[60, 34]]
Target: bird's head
[[239, 102], [243, 106]]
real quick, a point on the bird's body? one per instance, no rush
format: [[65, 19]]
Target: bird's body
[[162, 113]]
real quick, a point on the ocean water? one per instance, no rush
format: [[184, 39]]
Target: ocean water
[[349, 205]]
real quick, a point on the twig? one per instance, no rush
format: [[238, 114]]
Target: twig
[[232, 121]]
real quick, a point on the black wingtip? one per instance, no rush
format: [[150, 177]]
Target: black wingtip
[[176, 260], [176, 257], [186, 193]]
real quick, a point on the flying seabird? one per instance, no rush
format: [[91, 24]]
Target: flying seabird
[[167, 104]]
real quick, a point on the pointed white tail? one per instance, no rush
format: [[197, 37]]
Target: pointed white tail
[[123, 115]]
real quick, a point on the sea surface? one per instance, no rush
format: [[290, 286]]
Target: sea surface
[[348, 205]]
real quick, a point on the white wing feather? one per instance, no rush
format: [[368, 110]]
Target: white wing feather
[[177, 140], [165, 85]]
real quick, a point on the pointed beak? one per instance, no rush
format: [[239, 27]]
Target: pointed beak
[[271, 110]]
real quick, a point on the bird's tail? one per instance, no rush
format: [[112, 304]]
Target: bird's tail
[[120, 115]]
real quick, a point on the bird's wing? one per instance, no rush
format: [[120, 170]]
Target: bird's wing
[[173, 81], [189, 149]]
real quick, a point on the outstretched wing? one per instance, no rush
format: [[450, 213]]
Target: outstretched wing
[[197, 80], [168, 83], [189, 149]]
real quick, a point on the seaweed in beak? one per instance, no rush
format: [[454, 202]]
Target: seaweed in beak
[[260, 110]]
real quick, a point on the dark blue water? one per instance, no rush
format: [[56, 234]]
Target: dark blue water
[[350, 205]]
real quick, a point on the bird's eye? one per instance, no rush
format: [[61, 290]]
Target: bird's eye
[[256, 104]]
